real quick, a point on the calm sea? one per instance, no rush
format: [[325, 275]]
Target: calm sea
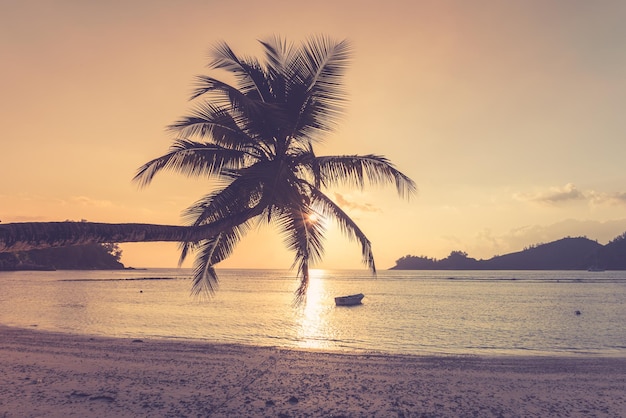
[[409, 312]]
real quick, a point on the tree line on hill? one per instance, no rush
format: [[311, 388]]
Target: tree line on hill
[[570, 253], [78, 257]]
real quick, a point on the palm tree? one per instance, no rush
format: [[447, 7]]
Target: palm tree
[[255, 138]]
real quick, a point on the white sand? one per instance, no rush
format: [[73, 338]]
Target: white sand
[[57, 375]]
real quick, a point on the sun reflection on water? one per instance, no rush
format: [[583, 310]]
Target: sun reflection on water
[[312, 320]]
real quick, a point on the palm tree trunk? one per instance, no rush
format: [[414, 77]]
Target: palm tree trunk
[[25, 236]]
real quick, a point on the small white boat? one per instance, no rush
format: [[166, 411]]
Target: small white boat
[[349, 300]]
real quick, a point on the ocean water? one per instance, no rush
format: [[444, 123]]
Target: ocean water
[[403, 312]]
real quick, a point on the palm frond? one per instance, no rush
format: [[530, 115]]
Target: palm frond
[[224, 211], [190, 158], [259, 117], [211, 252], [303, 287], [278, 52], [355, 170], [305, 238], [185, 248], [347, 226], [242, 194], [214, 124], [318, 74], [252, 80], [222, 93], [247, 71], [326, 60]]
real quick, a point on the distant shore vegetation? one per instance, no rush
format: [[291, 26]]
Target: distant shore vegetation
[[570, 253], [78, 257]]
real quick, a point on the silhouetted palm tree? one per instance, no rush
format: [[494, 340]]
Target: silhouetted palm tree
[[256, 138], [255, 135]]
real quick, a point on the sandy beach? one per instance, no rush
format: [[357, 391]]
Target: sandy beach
[[57, 375]]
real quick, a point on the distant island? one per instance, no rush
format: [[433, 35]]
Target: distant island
[[80, 257], [578, 253]]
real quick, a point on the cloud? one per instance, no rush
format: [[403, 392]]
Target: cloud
[[486, 244], [347, 204], [613, 199], [603, 232], [518, 238], [570, 194], [37, 208], [87, 201], [22, 218], [554, 195]]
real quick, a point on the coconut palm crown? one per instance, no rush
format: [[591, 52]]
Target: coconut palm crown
[[255, 136]]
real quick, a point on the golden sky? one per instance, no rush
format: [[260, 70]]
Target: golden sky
[[507, 114]]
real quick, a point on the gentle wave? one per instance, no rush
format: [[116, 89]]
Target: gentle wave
[[119, 279], [536, 280]]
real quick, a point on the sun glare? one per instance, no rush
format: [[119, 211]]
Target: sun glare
[[315, 292], [312, 324]]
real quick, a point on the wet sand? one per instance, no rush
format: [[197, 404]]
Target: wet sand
[[59, 375]]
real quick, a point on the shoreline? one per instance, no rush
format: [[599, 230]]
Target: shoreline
[[55, 374], [522, 354]]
